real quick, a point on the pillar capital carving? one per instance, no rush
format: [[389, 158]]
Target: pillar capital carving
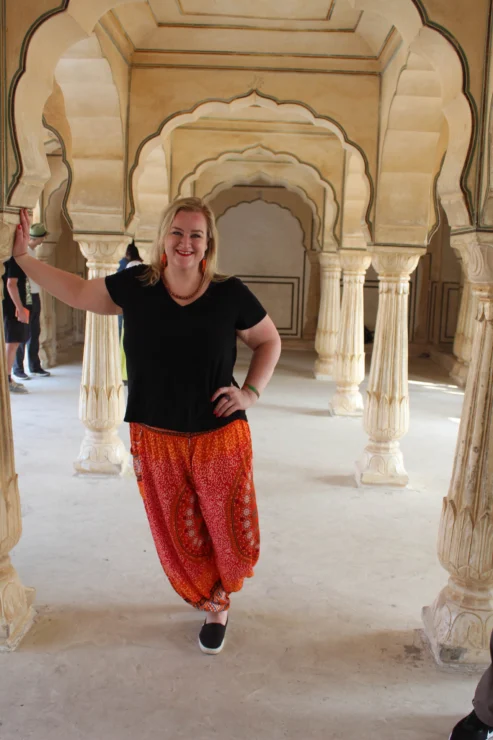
[[355, 261], [395, 262], [476, 250], [329, 261], [102, 251]]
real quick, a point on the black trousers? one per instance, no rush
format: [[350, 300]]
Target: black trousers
[[33, 342]]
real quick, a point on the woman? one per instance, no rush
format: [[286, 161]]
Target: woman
[[190, 437]]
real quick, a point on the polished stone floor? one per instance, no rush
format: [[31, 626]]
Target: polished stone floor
[[323, 643]]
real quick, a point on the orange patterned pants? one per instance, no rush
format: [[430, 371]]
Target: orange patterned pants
[[200, 500]]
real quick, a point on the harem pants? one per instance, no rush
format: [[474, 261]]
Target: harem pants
[[483, 700], [200, 501]]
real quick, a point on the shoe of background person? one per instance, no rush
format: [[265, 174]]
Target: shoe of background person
[[21, 375], [40, 373], [471, 728], [17, 387]]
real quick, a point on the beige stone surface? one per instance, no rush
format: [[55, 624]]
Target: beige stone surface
[[114, 649]]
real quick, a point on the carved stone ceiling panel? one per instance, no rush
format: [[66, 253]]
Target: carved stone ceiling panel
[[309, 30]]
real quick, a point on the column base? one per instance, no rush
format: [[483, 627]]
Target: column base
[[347, 403], [323, 369], [16, 611], [458, 627], [382, 464], [459, 373], [102, 453]]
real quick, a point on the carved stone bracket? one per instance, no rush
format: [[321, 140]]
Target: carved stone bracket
[[102, 399], [349, 369], [329, 314], [386, 416]]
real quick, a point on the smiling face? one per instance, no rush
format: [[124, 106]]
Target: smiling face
[[186, 243]]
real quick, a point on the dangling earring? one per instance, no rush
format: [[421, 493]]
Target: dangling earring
[[164, 260], [203, 266]]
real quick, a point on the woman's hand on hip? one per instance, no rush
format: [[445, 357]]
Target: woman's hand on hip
[[232, 399]]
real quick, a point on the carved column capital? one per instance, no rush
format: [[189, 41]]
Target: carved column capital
[[395, 262], [102, 251], [329, 261], [355, 261]]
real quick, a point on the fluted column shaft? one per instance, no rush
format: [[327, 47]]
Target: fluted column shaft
[[47, 338], [386, 416], [16, 612], [349, 368], [102, 400], [460, 621], [329, 314], [464, 334]]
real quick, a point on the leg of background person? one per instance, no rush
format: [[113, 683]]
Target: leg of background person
[[19, 359], [11, 350], [35, 330]]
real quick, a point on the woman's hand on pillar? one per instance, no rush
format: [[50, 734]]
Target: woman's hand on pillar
[[21, 239]]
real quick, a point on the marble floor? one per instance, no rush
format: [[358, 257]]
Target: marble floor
[[324, 643]]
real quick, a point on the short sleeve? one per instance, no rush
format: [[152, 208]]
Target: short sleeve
[[12, 269], [122, 286], [250, 310]]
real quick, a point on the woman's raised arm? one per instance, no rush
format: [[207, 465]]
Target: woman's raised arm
[[89, 295]]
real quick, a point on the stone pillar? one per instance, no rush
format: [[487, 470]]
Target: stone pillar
[[349, 369], [102, 400], [329, 314], [16, 612], [47, 340], [459, 623], [465, 325], [386, 416]]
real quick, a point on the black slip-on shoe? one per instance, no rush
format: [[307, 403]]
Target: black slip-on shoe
[[471, 728], [211, 637]]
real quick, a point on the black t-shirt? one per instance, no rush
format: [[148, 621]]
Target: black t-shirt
[[12, 270], [179, 356]]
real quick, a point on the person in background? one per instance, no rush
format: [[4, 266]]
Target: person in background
[[15, 316], [37, 234]]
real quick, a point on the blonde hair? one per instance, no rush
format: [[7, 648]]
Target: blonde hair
[[152, 274]]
